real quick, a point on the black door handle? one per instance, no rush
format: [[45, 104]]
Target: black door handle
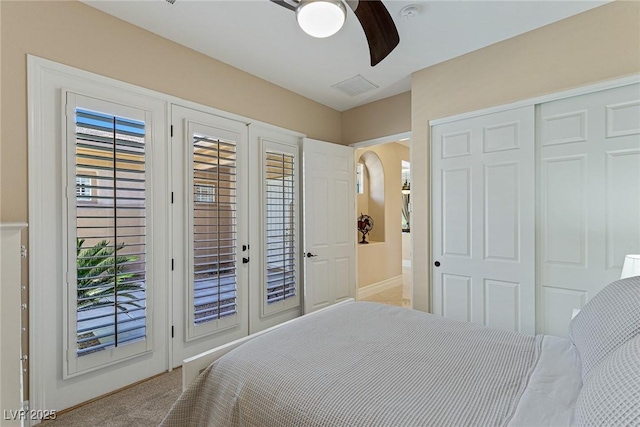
[[310, 255], [437, 263]]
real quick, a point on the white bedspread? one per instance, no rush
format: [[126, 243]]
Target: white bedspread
[[367, 364]]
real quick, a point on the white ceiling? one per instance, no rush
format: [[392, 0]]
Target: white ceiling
[[263, 39]]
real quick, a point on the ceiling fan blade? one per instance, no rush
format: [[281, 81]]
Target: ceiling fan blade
[[285, 3], [379, 29]]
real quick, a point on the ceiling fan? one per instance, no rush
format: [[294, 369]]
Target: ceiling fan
[[322, 18]]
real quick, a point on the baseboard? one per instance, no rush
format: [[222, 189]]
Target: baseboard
[[383, 285]]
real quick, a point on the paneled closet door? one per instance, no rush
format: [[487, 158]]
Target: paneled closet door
[[589, 203], [210, 226], [483, 220]]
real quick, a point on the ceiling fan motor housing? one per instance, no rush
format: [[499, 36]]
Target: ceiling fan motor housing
[[377, 24], [321, 18]]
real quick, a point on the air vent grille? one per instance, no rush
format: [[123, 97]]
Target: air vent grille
[[354, 86]]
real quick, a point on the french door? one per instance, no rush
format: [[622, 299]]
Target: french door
[[97, 306], [236, 215], [209, 162]]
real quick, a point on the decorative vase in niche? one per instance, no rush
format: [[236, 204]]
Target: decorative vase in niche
[[365, 224]]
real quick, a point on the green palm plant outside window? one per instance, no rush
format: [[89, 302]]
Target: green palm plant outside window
[[99, 267]]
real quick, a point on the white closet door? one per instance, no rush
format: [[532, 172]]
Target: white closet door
[[589, 198], [483, 220], [329, 223]]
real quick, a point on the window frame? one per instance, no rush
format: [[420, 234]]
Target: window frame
[[207, 195], [80, 185], [360, 170]]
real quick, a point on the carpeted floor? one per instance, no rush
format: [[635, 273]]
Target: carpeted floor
[[144, 404]]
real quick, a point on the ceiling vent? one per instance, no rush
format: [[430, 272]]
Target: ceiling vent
[[356, 85]]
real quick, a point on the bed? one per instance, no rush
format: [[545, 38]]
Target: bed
[[368, 364]]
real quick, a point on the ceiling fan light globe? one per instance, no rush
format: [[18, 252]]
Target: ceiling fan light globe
[[321, 18]]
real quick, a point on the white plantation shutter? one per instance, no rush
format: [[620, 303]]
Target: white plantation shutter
[[280, 168], [212, 198], [107, 232]]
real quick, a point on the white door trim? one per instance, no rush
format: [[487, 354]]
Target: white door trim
[[609, 84], [402, 136]]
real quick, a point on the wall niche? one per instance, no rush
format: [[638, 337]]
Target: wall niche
[[371, 194]]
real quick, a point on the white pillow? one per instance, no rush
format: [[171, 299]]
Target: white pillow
[[608, 320], [611, 396]]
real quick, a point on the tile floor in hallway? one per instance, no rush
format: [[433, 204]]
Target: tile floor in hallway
[[391, 296]]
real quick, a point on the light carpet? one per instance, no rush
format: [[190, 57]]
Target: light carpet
[[144, 404]]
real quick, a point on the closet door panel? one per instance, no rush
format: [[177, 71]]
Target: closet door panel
[[589, 205], [483, 220], [623, 205], [564, 211], [502, 241]]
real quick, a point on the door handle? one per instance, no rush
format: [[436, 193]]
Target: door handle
[[437, 263], [310, 255]]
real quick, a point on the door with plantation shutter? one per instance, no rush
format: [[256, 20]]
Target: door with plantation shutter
[[210, 227], [112, 294], [109, 232]]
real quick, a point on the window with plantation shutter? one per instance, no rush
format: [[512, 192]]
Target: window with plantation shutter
[[281, 220], [110, 230], [210, 222]]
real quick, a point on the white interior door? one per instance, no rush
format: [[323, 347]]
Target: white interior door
[[589, 198], [483, 220], [329, 224], [210, 227]]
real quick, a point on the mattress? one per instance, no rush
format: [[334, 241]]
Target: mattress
[[368, 364]]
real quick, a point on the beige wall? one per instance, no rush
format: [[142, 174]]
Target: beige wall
[[388, 116], [597, 45], [75, 34], [383, 260], [406, 246]]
